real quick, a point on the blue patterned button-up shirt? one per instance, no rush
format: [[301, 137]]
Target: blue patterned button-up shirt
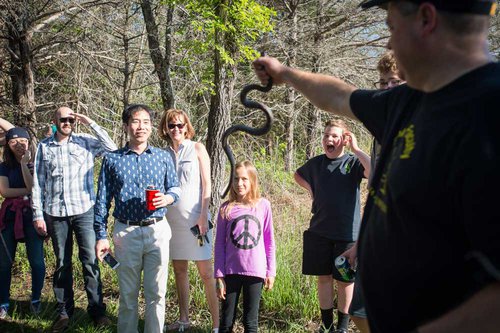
[[124, 177]]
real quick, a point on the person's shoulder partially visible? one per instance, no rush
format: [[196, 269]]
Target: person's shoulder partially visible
[[482, 82], [200, 148], [115, 154], [376, 109], [263, 202], [484, 87], [4, 169], [472, 98], [162, 152], [316, 160], [46, 141], [487, 75], [481, 110], [311, 164]]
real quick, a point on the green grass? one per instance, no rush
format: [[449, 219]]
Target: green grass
[[291, 306]]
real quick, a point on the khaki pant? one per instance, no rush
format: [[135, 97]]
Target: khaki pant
[[142, 250]]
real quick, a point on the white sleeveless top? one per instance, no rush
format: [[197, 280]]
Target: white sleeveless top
[[185, 213]]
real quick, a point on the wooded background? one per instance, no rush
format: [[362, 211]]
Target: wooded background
[[99, 56]]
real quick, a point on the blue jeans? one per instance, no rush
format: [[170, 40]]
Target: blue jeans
[[61, 231], [252, 289], [34, 250]]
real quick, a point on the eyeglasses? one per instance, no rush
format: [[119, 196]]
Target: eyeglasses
[[387, 84], [67, 120], [179, 126]]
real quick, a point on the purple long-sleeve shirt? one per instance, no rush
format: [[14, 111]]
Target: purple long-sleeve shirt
[[244, 244]]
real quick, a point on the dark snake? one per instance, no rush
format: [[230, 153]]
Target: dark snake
[[256, 131]]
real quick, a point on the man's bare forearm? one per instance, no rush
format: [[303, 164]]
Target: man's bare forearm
[[323, 91], [478, 314]]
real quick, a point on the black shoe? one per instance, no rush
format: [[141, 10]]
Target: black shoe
[[36, 308], [60, 324], [102, 321]]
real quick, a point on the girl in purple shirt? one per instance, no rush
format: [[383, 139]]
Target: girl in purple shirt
[[244, 249]]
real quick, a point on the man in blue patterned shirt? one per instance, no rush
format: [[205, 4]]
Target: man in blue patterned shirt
[[63, 203], [140, 236]]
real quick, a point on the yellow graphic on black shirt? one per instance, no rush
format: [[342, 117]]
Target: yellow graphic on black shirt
[[404, 144], [409, 141]]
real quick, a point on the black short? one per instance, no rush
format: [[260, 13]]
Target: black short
[[357, 307], [319, 255]]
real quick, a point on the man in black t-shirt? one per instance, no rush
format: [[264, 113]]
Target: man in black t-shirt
[[333, 180], [429, 244]]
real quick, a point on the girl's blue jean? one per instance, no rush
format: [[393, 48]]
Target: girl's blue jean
[[34, 250], [252, 290]]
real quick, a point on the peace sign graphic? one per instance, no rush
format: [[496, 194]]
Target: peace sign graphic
[[245, 240]]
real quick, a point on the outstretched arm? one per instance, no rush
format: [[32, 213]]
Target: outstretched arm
[[478, 314], [325, 92]]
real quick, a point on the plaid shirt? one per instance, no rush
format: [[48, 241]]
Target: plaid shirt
[[63, 183]]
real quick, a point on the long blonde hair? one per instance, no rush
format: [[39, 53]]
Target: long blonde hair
[[253, 196]]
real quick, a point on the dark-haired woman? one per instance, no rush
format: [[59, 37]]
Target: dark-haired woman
[[16, 218]]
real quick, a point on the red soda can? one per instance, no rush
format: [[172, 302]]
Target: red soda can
[[150, 195]]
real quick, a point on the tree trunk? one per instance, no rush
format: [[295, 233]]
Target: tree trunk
[[161, 63], [289, 130], [313, 119], [290, 101], [21, 73], [220, 111], [313, 122], [312, 131]]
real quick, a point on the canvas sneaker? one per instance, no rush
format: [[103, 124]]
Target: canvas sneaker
[[4, 312]]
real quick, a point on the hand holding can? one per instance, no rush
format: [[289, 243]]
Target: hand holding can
[[344, 268], [150, 195]]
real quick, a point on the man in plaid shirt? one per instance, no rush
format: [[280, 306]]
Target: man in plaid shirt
[[63, 203]]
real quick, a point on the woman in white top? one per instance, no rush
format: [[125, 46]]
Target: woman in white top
[[193, 170]]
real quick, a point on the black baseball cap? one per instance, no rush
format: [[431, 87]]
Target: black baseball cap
[[16, 132], [483, 7]]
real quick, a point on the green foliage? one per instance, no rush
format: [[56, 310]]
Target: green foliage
[[243, 20]]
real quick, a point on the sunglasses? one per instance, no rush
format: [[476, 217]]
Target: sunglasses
[[67, 120], [179, 126]]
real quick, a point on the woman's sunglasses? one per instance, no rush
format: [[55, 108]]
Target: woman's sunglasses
[[179, 126]]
